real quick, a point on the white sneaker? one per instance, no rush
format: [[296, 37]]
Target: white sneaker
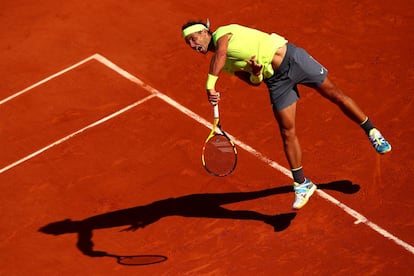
[[378, 141], [302, 193]]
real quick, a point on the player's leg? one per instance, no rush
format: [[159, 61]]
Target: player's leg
[[286, 119], [330, 91], [283, 96], [303, 187], [348, 106], [310, 72]]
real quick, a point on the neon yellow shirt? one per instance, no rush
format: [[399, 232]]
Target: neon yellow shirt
[[247, 42]]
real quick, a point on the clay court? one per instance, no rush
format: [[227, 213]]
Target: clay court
[[103, 115]]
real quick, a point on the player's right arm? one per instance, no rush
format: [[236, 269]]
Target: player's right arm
[[216, 65], [219, 58]]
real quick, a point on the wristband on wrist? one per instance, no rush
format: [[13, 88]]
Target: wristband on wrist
[[211, 81]]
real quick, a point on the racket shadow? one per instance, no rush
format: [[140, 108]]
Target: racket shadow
[[208, 205], [138, 259]]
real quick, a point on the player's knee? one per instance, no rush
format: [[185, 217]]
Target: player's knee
[[288, 133]]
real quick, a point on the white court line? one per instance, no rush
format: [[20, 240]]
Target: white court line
[[359, 217], [30, 156], [154, 92], [46, 79]]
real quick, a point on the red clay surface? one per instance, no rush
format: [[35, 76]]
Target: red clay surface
[[143, 167]]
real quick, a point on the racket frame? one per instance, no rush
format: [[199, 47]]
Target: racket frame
[[217, 130]]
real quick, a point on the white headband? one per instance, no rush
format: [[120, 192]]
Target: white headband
[[193, 29]]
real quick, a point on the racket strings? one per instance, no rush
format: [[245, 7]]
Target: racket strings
[[141, 259], [219, 155]]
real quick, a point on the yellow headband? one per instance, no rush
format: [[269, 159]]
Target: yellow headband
[[193, 29]]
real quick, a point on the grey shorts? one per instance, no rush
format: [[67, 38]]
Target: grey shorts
[[297, 67]]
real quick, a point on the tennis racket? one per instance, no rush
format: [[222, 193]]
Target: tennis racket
[[219, 154]]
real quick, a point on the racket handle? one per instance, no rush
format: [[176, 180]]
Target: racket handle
[[216, 111]]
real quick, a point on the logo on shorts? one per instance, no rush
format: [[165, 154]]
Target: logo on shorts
[[322, 71]]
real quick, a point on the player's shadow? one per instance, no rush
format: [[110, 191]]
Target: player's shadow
[[207, 205], [343, 186]]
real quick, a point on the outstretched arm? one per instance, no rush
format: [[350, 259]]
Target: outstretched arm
[[216, 65], [219, 58]]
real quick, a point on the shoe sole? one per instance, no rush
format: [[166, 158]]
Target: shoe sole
[[310, 193], [385, 151]]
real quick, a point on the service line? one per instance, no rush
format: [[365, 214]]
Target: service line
[[47, 79], [30, 156]]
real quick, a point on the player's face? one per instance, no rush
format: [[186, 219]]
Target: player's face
[[199, 41]]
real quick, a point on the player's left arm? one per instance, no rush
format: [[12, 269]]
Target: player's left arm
[[246, 77], [256, 76]]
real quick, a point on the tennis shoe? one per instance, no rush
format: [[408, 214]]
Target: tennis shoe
[[302, 193], [378, 141]]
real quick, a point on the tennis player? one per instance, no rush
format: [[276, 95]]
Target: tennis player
[[256, 57]]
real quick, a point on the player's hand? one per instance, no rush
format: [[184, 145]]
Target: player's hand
[[256, 67], [213, 96]]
